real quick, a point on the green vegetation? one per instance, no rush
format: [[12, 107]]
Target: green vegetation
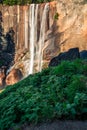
[[55, 93], [56, 16], [23, 2]]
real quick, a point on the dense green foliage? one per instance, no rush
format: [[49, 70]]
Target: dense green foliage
[[55, 93], [22, 2]]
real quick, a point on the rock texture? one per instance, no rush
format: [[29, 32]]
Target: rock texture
[[19, 19], [2, 77], [72, 24], [13, 77], [65, 27]]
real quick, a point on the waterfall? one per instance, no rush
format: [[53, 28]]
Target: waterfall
[[36, 23], [42, 37], [33, 25], [33, 34], [31, 31]]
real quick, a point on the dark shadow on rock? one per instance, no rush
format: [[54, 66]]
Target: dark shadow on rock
[[7, 48], [1, 1], [10, 46], [70, 55], [10, 41], [83, 54]]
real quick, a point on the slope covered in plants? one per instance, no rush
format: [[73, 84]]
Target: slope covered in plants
[[55, 93]]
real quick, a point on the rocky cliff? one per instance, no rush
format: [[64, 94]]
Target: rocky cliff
[[42, 31], [72, 24]]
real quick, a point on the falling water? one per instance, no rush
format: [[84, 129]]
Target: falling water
[[35, 44], [33, 21], [33, 34], [36, 23], [32, 29], [42, 37]]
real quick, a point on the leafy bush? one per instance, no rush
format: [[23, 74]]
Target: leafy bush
[[59, 92], [56, 16], [15, 2], [23, 2]]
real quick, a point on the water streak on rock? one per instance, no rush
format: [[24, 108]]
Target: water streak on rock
[[42, 36], [26, 29], [36, 46], [32, 36]]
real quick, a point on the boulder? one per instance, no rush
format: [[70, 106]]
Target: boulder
[[70, 55], [13, 77]]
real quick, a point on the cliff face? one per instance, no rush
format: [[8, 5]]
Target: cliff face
[[72, 24], [42, 31], [35, 34]]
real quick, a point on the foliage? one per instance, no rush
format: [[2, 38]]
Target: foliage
[[56, 16], [15, 2], [59, 92], [23, 2]]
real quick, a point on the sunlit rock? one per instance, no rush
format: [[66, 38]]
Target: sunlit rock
[[42, 31], [13, 77]]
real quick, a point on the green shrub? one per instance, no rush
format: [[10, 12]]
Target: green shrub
[[59, 92], [23, 2], [15, 2], [56, 16]]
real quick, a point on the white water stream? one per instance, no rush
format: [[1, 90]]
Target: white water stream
[[42, 37], [31, 32]]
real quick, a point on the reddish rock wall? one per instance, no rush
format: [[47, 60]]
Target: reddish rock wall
[[66, 31], [72, 24]]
